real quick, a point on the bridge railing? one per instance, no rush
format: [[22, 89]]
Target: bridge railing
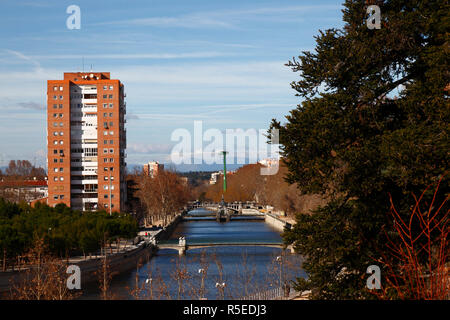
[[278, 293]]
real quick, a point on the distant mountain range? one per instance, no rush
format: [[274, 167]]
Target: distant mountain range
[[181, 168], [192, 167]]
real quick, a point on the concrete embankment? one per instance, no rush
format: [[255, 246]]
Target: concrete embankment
[[277, 222], [118, 262], [123, 261]]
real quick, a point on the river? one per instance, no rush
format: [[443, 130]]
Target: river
[[229, 272]]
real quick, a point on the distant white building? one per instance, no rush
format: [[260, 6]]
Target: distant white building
[[152, 168], [269, 162], [214, 176]]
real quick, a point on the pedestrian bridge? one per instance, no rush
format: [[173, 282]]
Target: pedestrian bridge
[[182, 246], [224, 211]]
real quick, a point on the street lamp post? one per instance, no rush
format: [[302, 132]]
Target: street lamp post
[[280, 260], [202, 288], [221, 287], [150, 280], [110, 192]]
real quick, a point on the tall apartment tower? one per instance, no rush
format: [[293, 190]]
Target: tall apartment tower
[[86, 141]]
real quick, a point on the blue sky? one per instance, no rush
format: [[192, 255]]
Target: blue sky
[[221, 62]]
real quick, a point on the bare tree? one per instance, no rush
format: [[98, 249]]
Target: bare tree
[[44, 278], [163, 196]]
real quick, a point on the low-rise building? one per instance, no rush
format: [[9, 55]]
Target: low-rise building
[[23, 190], [152, 168]]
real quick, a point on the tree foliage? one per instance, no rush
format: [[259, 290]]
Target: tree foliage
[[65, 231], [247, 184], [373, 122]]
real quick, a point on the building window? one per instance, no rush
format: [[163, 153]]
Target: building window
[[61, 133], [55, 197], [111, 141], [55, 170], [55, 115], [61, 169], [105, 178], [55, 88], [55, 151], [105, 115], [61, 160], [111, 133], [55, 124], [111, 169], [105, 141], [60, 88], [55, 160], [105, 96], [105, 133], [55, 133], [105, 196], [111, 160], [111, 105], [60, 97], [105, 150], [111, 124], [61, 115], [111, 150], [61, 142], [55, 97], [105, 160], [60, 106], [105, 187], [61, 196], [105, 105], [110, 96], [110, 115], [55, 106], [105, 87], [61, 178], [55, 178], [60, 124]]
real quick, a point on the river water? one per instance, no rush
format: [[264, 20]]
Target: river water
[[229, 272]]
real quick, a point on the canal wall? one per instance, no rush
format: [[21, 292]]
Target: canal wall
[[276, 222], [120, 262], [167, 231]]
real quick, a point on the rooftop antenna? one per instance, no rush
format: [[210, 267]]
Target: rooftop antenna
[[91, 68]]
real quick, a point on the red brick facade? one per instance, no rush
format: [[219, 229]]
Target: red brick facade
[[73, 105]]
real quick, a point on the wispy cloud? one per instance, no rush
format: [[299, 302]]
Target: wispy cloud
[[33, 61], [187, 55], [131, 116], [187, 21], [31, 105], [223, 18]]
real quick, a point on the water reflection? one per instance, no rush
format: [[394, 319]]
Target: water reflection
[[201, 272]]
